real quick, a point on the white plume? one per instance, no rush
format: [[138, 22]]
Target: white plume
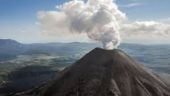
[[99, 19]]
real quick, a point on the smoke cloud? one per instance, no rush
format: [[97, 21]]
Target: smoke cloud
[[100, 20]]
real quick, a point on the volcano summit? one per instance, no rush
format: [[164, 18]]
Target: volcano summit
[[104, 73]]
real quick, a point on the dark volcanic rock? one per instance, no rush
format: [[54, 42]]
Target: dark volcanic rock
[[105, 73]]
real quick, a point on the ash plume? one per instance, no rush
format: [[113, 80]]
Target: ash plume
[[98, 19]]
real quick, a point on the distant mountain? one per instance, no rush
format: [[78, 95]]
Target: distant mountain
[[10, 49], [8, 41], [6, 45], [104, 73]]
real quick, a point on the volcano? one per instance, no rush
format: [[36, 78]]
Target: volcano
[[105, 73]]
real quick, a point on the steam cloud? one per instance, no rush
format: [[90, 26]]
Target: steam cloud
[[98, 19]]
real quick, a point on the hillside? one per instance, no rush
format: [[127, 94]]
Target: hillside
[[104, 73]]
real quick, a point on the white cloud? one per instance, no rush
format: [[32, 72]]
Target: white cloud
[[146, 30], [130, 5], [165, 20]]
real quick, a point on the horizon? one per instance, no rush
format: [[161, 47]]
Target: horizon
[[19, 21], [133, 43]]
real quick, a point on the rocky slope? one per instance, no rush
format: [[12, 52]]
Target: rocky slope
[[104, 73]]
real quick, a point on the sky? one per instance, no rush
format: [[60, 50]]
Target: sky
[[18, 18]]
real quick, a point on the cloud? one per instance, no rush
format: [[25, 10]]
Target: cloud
[[165, 20], [130, 5], [146, 30]]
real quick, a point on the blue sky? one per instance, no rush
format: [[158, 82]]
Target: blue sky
[[146, 9], [18, 17], [24, 10]]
